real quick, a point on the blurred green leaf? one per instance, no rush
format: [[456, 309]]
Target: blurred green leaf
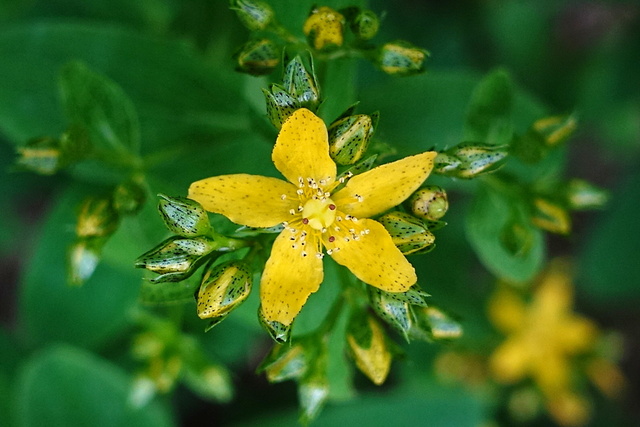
[[102, 108], [64, 386], [490, 108], [499, 231]]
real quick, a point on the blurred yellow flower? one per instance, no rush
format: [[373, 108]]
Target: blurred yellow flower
[[543, 339], [318, 210], [324, 27]]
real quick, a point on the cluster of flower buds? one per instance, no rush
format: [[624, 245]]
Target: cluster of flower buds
[[544, 135], [299, 89], [98, 219], [470, 160], [328, 31]]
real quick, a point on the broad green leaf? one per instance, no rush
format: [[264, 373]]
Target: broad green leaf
[[490, 109], [500, 232], [102, 108], [65, 386]]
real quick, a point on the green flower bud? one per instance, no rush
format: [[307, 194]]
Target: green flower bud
[[257, 57], [408, 233], [301, 84], [83, 257], [176, 258], [278, 331], [97, 218], [183, 216], [556, 129], [401, 58], [209, 381], [313, 393], [286, 362], [349, 138], [470, 160], [369, 346], [223, 288], [582, 195], [394, 310], [365, 24], [550, 216], [280, 105], [429, 203], [129, 197], [434, 324], [255, 15], [41, 155]]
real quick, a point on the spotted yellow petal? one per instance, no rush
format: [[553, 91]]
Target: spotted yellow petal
[[302, 149], [289, 277], [381, 188], [251, 200], [366, 249]]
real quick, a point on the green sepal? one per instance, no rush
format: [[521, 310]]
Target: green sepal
[[407, 232], [184, 217], [280, 104], [301, 84], [393, 309], [433, 324], [281, 333], [469, 160]]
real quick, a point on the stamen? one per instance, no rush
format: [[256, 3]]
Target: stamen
[[324, 230], [359, 197], [323, 182], [292, 212], [300, 208], [293, 230], [300, 192], [301, 181], [330, 251], [338, 218], [285, 223], [294, 246], [327, 195], [319, 255], [284, 196], [304, 253], [346, 239]]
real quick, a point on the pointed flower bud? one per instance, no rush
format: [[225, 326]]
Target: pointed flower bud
[[401, 58], [97, 218], [392, 309], [254, 14], [550, 216], [280, 105], [429, 203], [183, 216], [301, 84], [176, 258], [408, 233], [434, 324], [286, 362], [349, 137], [129, 197], [582, 195], [223, 288], [369, 347], [209, 381], [365, 24], [556, 129], [324, 28], [313, 393], [257, 57], [83, 258], [470, 160]]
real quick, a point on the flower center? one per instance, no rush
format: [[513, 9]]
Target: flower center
[[319, 213]]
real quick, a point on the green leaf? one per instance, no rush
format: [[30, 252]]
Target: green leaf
[[99, 105], [500, 232], [490, 108], [64, 386]]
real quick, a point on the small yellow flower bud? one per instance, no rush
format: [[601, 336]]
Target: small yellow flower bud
[[470, 160], [408, 233], [401, 58], [129, 197], [254, 14], [41, 155], [301, 84], [97, 218], [286, 362], [365, 24], [280, 105], [176, 258], [83, 258], [223, 288], [369, 347], [556, 129], [324, 27], [349, 138], [313, 392], [258, 57], [183, 216], [550, 216], [392, 308], [582, 195], [429, 203]]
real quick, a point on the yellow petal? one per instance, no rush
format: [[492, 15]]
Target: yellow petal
[[507, 311], [302, 149], [366, 248], [577, 334], [251, 200], [510, 362], [383, 187], [289, 277]]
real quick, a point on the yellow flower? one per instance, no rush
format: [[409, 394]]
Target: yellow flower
[[324, 26], [543, 339], [317, 211]]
